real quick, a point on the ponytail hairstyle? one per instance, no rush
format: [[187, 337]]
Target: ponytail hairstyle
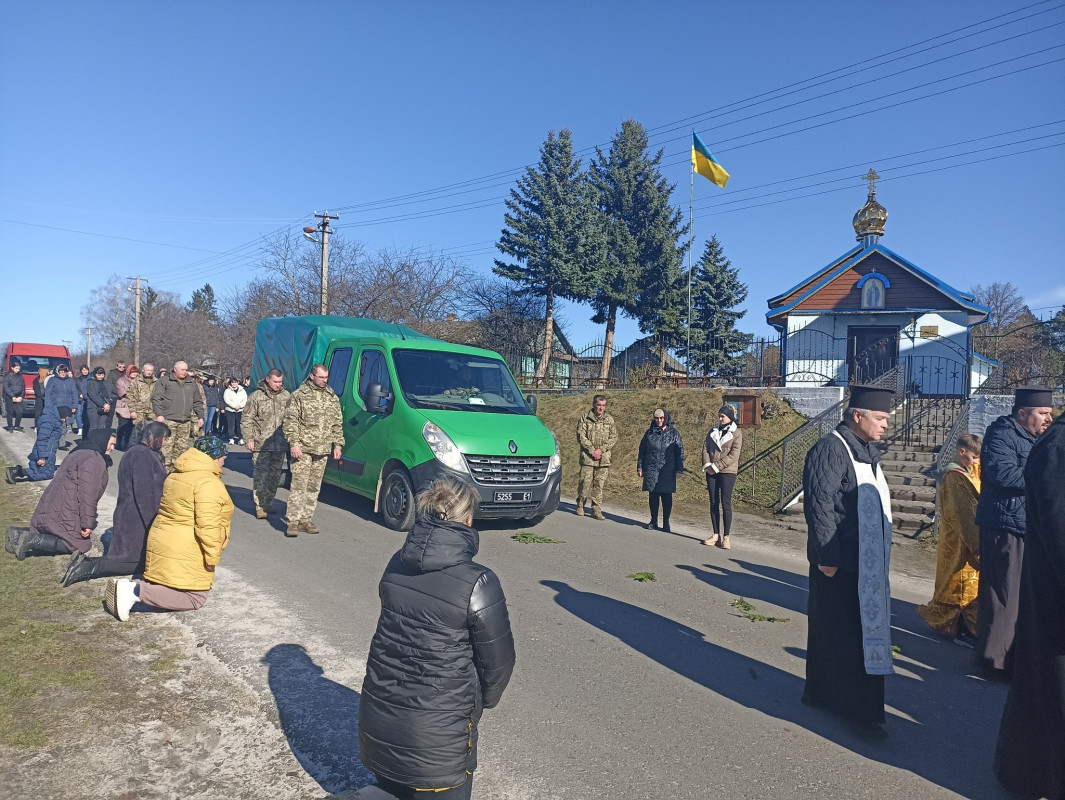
[[447, 499]]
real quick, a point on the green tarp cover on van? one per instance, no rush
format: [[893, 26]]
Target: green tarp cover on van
[[294, 344]]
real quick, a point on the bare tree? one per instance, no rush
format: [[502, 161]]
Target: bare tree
[[109, 313], [409, 287]]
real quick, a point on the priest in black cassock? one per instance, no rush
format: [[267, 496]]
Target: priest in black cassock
[[1030, 759], [848, 515]]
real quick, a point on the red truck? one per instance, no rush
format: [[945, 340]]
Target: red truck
[[32, 357]]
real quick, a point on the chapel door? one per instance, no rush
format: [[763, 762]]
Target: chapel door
[[872, 350]]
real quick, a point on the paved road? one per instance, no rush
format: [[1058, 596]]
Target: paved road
[[623, 689]]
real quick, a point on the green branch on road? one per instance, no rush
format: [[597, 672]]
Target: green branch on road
[[747, 610], [527, 537], [642, 577]]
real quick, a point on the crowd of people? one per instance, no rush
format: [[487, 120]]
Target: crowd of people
[[999, 587]]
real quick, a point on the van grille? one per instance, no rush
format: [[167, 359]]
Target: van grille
[[507, 470]]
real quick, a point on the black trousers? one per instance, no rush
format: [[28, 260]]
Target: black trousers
[[400, 792], [667, 505], [14, 411], [125, 432], [720, 487]]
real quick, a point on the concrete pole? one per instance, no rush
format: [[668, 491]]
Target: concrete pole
[[88, 347], [323, 226]]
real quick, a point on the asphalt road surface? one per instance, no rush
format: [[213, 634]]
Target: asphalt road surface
[[622, 689]]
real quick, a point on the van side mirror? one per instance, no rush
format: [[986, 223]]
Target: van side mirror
[[531, 400], [378, 401]]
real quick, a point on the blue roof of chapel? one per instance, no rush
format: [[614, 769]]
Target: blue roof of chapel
[[852, 258]]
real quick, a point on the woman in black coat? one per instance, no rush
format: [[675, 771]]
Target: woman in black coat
[[660, 464], [99, 402], [443, 652], [140, 488]]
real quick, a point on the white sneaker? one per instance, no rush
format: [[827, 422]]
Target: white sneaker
[[120, 597]]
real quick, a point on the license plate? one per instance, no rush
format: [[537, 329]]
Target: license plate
[[513, 497]]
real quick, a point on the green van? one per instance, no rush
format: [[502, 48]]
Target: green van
[[418, 408]]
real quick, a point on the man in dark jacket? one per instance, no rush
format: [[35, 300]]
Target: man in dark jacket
[[14, 396], [1030, 758], [848, 515], [1001, 518], [443, 652], [177, 401]]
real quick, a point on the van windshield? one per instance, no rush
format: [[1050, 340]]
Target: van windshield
[[453, 381], [33, 363]]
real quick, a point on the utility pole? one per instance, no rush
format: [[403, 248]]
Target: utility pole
[[88, 347], [323, 226], [136, 289]]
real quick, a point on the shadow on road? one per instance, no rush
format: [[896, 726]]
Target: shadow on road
[[319, 717], [949, 741]]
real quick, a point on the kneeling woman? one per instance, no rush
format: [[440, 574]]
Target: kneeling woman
[[65, 516], [187, 537], [140, 488], [443, 652]]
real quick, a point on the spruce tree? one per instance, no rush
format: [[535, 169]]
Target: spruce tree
[[551, 232], [643, 233], [716, 346]]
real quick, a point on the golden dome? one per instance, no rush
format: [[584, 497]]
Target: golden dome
[[870, 218]]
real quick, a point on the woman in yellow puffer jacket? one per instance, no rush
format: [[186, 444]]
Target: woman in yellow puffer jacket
[[187, 537]]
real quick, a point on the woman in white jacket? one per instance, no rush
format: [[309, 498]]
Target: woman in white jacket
[[235, 399], [721, 461]]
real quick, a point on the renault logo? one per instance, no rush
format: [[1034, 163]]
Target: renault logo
[[513, 446]]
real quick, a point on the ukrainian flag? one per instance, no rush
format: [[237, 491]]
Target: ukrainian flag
[[705, 164]]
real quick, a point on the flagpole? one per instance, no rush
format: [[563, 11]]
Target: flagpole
[[691, 238]]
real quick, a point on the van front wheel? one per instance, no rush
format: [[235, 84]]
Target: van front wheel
[[397, 500]]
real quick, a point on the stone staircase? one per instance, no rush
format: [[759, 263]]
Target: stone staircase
[[913, 491]]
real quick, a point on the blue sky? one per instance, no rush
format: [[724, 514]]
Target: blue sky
[[198, 127]]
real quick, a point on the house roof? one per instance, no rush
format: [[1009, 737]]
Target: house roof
[[850, 259]]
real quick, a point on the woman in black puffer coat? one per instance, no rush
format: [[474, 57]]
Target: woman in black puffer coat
[[443, 652], [660, 464]]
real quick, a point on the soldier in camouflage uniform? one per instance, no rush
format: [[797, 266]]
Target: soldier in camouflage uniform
[[314, 428], [263, 417], [139, 395], [597, 436], [177, 401]]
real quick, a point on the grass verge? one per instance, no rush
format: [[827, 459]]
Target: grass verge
[[56, 645]]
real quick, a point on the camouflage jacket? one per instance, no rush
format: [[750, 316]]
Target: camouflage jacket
[[593, 433], [263, 417], [139, 397], [314, 420]]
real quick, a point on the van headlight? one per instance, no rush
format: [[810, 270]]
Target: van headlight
[[555, 464], [443, 448]]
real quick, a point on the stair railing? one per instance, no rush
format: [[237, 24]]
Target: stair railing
[[780, 466]]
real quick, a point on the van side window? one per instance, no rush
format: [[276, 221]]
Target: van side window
[[339, 365], [372, 369]]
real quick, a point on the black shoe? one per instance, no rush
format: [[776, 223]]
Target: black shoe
[[652, 525], [965, 639], [80, 568], [11, 543], [45, 544], [665, 527], [12, 474], [19, 429]]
